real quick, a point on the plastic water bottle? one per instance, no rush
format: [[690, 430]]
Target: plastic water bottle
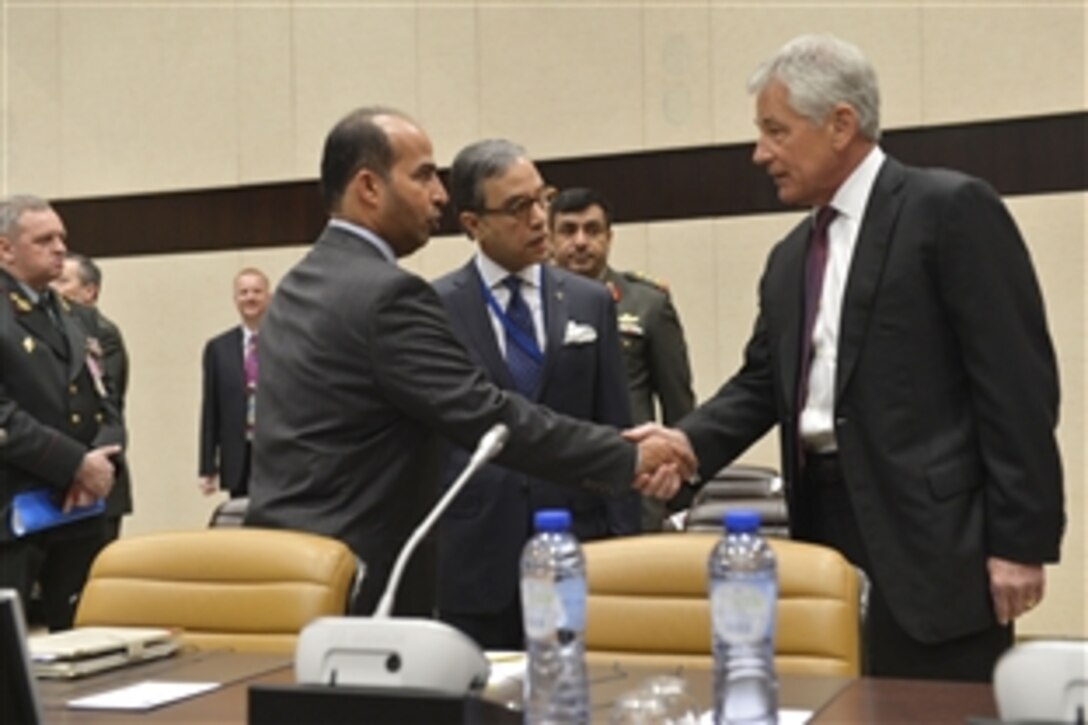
[[553, 602], [743, 586]]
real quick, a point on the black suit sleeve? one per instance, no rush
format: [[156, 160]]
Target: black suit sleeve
[[36, 447], [423, 370], [993, 299], [741, 411], [209, 415]]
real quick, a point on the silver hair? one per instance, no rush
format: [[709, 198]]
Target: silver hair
[[476, 163], [12, 209], [819, 71]]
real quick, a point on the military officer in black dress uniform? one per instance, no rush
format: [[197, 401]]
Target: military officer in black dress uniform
[[63, 435]]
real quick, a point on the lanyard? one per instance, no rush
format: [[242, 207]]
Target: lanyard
[[514, 334]]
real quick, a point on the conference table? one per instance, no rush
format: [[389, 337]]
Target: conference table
[[831, 699]]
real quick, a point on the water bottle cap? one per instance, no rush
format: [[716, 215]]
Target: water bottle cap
[[741, 521], [552, 520]]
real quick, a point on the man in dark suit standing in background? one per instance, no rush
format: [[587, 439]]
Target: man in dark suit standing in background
[[363, 382], [81, 282], [902, 349], [546, 334], [60, 427], [228, 406], [654, 350]]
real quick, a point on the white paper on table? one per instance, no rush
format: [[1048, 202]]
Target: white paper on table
[[142, 696]]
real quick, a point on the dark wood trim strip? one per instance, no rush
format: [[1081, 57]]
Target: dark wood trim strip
[[1037, 155]]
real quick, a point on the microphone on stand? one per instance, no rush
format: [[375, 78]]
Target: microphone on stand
[[488, 447], [392, 653]]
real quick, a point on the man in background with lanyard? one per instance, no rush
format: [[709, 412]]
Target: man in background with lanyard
[[552, 337]]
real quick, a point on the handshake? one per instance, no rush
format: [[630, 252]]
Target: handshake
[[665, 460]]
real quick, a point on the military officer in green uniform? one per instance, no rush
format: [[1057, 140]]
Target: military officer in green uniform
[[63, 434], [654, 350]]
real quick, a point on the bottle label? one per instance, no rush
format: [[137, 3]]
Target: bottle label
[[743, 611], [550, 606]]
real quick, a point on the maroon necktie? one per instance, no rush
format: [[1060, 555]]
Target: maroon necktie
[[250, 367], [815, 265]]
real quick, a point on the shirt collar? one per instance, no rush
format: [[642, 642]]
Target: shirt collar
[[852, 196], [32, 294], [493, 274], [377, 242]]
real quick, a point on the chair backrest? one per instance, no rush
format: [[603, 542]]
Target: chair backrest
[[757, 488], [1043, 681], [245, 589], [647, 603], [231, 512]]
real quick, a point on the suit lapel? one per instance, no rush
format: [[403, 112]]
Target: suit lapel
[[36, 321], [556, 312], [235, 358], [793, 310], [473, 313], [867, 268]]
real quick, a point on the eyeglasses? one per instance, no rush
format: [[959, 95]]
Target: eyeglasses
[[521, 207]]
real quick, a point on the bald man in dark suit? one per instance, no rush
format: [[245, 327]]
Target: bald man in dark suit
[[362, 381]]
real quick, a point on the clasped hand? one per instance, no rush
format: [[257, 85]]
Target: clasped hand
[[665, 460], [93, 479]]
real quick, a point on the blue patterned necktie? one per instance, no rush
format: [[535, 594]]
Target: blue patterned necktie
[[524, 367]]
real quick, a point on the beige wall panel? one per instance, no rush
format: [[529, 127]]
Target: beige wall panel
[[745, 37], [1054, 228], [449, 79], [148, 98], [264, 87], [563, 81], [31, 153], [167, 308], [346, 56], [679, 90], [687, 251], [629, 247], [1013, 60], [443, 254], [275, 263]]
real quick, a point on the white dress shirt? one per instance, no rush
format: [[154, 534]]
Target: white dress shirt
[[817, 427]]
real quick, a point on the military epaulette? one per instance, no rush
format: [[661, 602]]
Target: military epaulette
[[640, 277], [21, 302]]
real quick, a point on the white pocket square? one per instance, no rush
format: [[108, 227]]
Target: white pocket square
[[579, 334]]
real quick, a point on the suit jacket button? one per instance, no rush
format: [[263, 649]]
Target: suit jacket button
[[97, 417], [75, 419], [73, 389]]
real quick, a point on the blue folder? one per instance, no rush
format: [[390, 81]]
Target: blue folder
[[35, 510]]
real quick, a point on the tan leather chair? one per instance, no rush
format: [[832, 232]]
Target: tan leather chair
[[245, 589], [647, 603]]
